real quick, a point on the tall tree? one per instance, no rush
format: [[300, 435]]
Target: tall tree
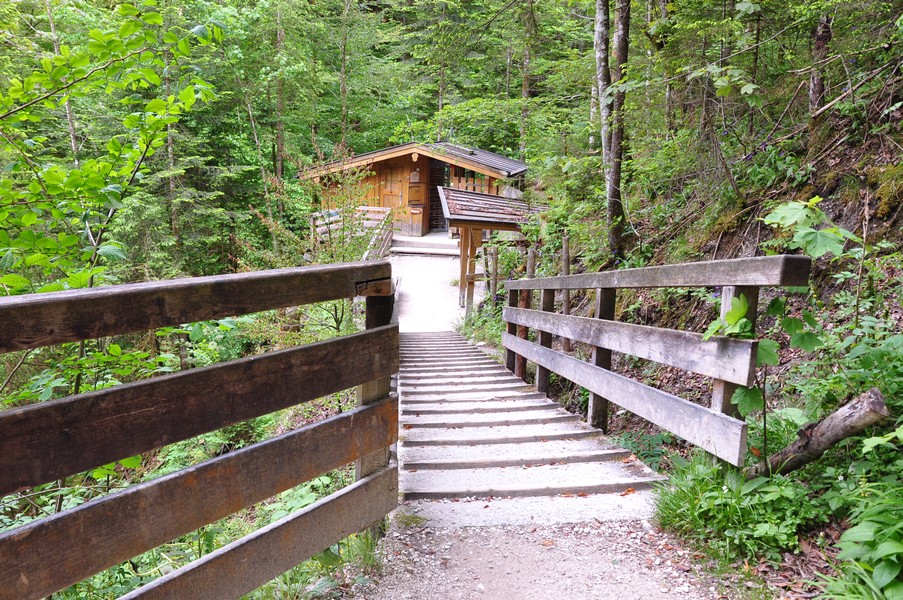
[[616, 213]]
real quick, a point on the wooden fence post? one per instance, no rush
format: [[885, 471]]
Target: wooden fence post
[[494, 281], [475, 239], [597, 411], [378, 313], [511, 328], [723, 391], [565, 294], [547, 303], [525, 300]]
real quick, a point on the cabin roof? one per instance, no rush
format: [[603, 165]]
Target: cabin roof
[[475, 159], [490, 212]]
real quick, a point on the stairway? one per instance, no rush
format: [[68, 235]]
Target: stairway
[[471, 429]]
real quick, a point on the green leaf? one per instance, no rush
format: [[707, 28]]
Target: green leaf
[[791, 325], [28, 218], [156, 106], [806, 340], [133, 462], [790, 214], [777, 307], [129, 28], [153, 18], [748, 400], [197, 333], [14, 281], [887, 548], [739, 308], [187, 96], [768, 353], [114, 350], [885, 572], [817, 243], [894, 591], [714, 327], [111, 251], [864, 532]]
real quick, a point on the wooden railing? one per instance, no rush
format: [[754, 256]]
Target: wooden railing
[[730, 362], [325, 223], [48, 441], [380, 236]]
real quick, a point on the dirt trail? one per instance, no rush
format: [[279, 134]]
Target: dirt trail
[[430, 554]]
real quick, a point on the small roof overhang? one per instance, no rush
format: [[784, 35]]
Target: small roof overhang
[[484, 211]]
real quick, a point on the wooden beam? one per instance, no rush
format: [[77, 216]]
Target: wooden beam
[[724, 387], [719, 357], [597, 411], [565, 294], [547, 303], [464, 250], [50, 554], [525, 300], [717, 433], [57, 317], [759, 271], [379, 313], [511, 329], [248, 563], [44, 442]]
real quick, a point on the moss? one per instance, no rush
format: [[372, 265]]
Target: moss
[[849, 190], [830, 181], [406, 520], [805, 194], [888, 184]]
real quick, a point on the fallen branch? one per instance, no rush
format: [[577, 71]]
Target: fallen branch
[[816, 438]]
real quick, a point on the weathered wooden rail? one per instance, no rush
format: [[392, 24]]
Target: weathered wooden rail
[[730, 362], [55, 439]]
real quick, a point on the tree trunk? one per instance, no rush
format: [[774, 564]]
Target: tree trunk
[[616, 215], [821, 37], [279, 164], [601, 36], [815, 438], [70, 118], [343, 73]]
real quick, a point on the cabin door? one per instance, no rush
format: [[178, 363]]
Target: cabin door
[[390, 188]]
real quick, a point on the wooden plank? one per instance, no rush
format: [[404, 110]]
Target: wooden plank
[[546, 303], [719, 357], [719, 434], [723, 388], [56, 317], [248, 563], [43, 442], [511, 328], [378, 313], [759, 271], [597, 411], [53, 553], [525, 300]]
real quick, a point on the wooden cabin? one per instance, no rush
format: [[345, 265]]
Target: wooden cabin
[[407, 178]]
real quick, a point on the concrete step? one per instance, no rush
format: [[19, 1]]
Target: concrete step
[[448, 397], [458, 382], [471, 408], [440, 390], [519, 460], [480, 367], [548, 480], [514, 452], [488, 420], [438, 376], [473, 436]]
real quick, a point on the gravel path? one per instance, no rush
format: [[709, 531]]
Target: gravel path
[[582, 561]]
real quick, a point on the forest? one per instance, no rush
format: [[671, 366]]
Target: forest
[[156, 140]]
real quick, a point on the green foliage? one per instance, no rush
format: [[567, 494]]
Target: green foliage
[[715, 507], [649, 448], [801, 219]]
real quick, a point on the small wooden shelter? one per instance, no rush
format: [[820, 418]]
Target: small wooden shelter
[[406, 178], [473, 213]]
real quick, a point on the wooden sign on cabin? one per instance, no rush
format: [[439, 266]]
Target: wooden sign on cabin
[[406, 179]]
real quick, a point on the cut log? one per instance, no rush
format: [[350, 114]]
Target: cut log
[[816, 438]]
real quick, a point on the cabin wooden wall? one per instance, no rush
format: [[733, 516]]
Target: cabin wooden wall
[[471, 181]]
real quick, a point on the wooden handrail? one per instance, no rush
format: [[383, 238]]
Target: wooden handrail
[[781, 270], [43, 442], [730, 362]]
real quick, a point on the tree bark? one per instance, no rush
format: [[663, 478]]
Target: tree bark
[[343, 73], [821, 37], [615, 213], [816, 438], [601, 35], [279, 165]]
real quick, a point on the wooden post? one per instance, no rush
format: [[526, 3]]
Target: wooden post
[[597, 412], [464, 243], [524, 301], [475, 239], [378, 313], [511, 328], [565, 294], [723, 391], [494, 281], [547, 303]]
